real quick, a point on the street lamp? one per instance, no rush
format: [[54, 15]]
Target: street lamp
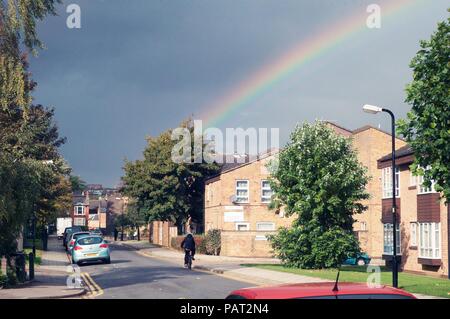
[[372, 109]]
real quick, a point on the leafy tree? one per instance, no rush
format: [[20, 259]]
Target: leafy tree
[[77, 184], [427, 127], [32, 172], [165, 190], [320, 181], [18, 21]]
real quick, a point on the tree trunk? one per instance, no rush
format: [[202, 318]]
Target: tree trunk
[[139, 233]]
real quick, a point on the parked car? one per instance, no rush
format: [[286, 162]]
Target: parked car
[[68, 231], [96, 231], [90, 248], [322, 290], [73, 237], [360, 260]]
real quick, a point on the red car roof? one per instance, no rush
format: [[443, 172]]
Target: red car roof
[[322, 289]]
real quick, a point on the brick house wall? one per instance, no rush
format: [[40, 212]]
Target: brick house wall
[[370, 144], [419, 208], [221, 213]]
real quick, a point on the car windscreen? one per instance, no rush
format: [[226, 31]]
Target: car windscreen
[[90, 241]]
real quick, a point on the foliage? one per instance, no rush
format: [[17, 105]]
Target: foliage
[[320, 180], [213, 242], [200, 248], [18, 21], [77, 184], [32, 172], [3, 280], [427, 127], [162, 189]]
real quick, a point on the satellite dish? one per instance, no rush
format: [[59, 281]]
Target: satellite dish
[[233, 199]]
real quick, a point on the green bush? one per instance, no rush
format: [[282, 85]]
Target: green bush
[[175, 243], [11, 278], [213, 242], [3, 280]]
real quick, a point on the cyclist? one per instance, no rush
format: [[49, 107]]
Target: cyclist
[[188, 244]]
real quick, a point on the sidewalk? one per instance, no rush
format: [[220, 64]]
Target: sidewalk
[[231, 267], [50, 278]]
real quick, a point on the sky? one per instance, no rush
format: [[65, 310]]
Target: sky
[[137, 68]]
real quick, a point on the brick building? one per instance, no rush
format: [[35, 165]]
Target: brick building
[[422, 217], [236, 201]]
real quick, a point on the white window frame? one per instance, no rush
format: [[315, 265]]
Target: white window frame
[[363, 226], [386, 182], [412, 179], [413, 234], [266, 199], [247, 225], [247, 198], [422, 189], [76, 210], [258, 224], [430, 246], [389, 227]]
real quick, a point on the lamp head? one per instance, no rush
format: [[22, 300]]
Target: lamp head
[[372, 109]]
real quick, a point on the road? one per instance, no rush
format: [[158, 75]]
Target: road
[[134, 276]]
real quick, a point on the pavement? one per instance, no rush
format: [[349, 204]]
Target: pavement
[[50, 280]]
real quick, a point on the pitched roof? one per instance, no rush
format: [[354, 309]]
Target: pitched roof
[[401, 152]]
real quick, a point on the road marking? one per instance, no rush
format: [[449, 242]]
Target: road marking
[[94, 289]]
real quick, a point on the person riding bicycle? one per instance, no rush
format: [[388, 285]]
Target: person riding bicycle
[[188, 244]]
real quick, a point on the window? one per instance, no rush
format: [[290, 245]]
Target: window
[[78, 221], [265, 226], [242, 191], [363, 226], [386, 181], [389, 239], [266, 192], [422, 188], [242, 226], [412, 179], [430, 240], [413, 234], [79, 210]]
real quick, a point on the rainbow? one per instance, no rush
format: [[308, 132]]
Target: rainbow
[[270, 75]]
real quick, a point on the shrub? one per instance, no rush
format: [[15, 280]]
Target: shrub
[[213, 242], [3, 280], [175, 243]]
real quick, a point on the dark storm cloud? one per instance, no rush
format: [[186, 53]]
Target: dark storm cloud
[[138, 67]]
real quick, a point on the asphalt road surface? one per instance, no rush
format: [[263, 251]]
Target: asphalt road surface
[[133, 276]]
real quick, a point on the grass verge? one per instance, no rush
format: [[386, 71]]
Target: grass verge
[[421, 284]]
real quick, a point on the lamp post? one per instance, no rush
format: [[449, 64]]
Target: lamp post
[[375, 110]]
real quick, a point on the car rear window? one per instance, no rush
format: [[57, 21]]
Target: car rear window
[[90, 241], [80, 234]]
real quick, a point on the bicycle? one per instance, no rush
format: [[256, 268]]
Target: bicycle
[[188, 258]]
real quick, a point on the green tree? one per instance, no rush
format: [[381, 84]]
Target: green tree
[[319, 180], [18, 21], [163, 189], [77, 184], [427, 127]]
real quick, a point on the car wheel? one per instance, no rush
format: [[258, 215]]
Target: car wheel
[[108, 261], [360, 262], [78, 263]]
